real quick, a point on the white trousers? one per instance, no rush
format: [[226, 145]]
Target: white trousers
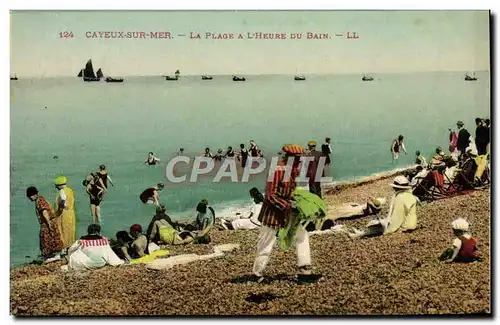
[[267, 239], [244, 224]]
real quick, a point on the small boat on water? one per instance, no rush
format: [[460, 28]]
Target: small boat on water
[[367, 78], [99, 73], [470, 78], [206, 77], [299, 78], [88, 73], [14, 78], [237, 78], [177, 73], [110, 79]]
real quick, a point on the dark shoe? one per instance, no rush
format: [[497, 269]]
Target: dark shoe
[[305, 270], [255, 279]]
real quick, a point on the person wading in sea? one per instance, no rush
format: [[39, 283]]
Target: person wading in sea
[[243, 155], [151, 160], [276, 212], [397, 144], [150, 195]]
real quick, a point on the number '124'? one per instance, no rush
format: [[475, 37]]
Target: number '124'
[[66, 35]]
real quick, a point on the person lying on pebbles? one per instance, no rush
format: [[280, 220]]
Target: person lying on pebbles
[[402, 214], [247, 221], [464, 248]]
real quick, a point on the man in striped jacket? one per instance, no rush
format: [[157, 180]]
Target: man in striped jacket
[[275, 214]]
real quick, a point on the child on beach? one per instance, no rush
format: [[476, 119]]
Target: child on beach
[[464, 248]]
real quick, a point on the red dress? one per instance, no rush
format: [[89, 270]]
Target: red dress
[[50, 235], [468, 250]]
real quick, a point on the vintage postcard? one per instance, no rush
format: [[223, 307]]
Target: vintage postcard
[[250, 163]]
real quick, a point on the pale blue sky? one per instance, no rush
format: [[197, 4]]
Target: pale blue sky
[[389, 42]]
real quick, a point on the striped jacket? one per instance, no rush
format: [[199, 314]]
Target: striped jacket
[[277, 202]]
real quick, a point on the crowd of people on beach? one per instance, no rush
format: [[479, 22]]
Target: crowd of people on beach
[[285, 213]]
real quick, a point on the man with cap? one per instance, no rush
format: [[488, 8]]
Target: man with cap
[[276, 212], [314, 184], [65, 211], [463, 138]]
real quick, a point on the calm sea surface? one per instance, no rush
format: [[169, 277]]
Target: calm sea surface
[[88, 124]]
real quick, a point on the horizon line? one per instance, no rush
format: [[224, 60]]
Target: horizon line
[[266, 74]]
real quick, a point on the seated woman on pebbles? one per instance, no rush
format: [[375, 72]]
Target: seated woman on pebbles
[[91, 251], [163, 231], [133, 245], [204, 222], [248, 221], [402, 214], [464, 248]]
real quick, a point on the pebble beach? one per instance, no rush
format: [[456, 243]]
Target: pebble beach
[[398, 274]]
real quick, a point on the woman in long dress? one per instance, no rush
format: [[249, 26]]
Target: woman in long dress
[[50, 236], [65, 205]]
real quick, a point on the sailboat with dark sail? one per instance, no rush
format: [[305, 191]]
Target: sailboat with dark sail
[[367, 78], [99, 73], [177, 73], [80, 74], [88, 72], [470, 78]]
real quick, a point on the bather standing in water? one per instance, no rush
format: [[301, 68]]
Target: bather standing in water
[[151, 160], [397, 144], [94, 187], [229, 153], [150, 195], [207, 153], [243, 155]]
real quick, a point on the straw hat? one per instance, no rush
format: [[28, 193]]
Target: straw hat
[[401, 182], [312, 143], [460, 224]]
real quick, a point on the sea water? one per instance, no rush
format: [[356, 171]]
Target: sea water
[[117, 124]]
